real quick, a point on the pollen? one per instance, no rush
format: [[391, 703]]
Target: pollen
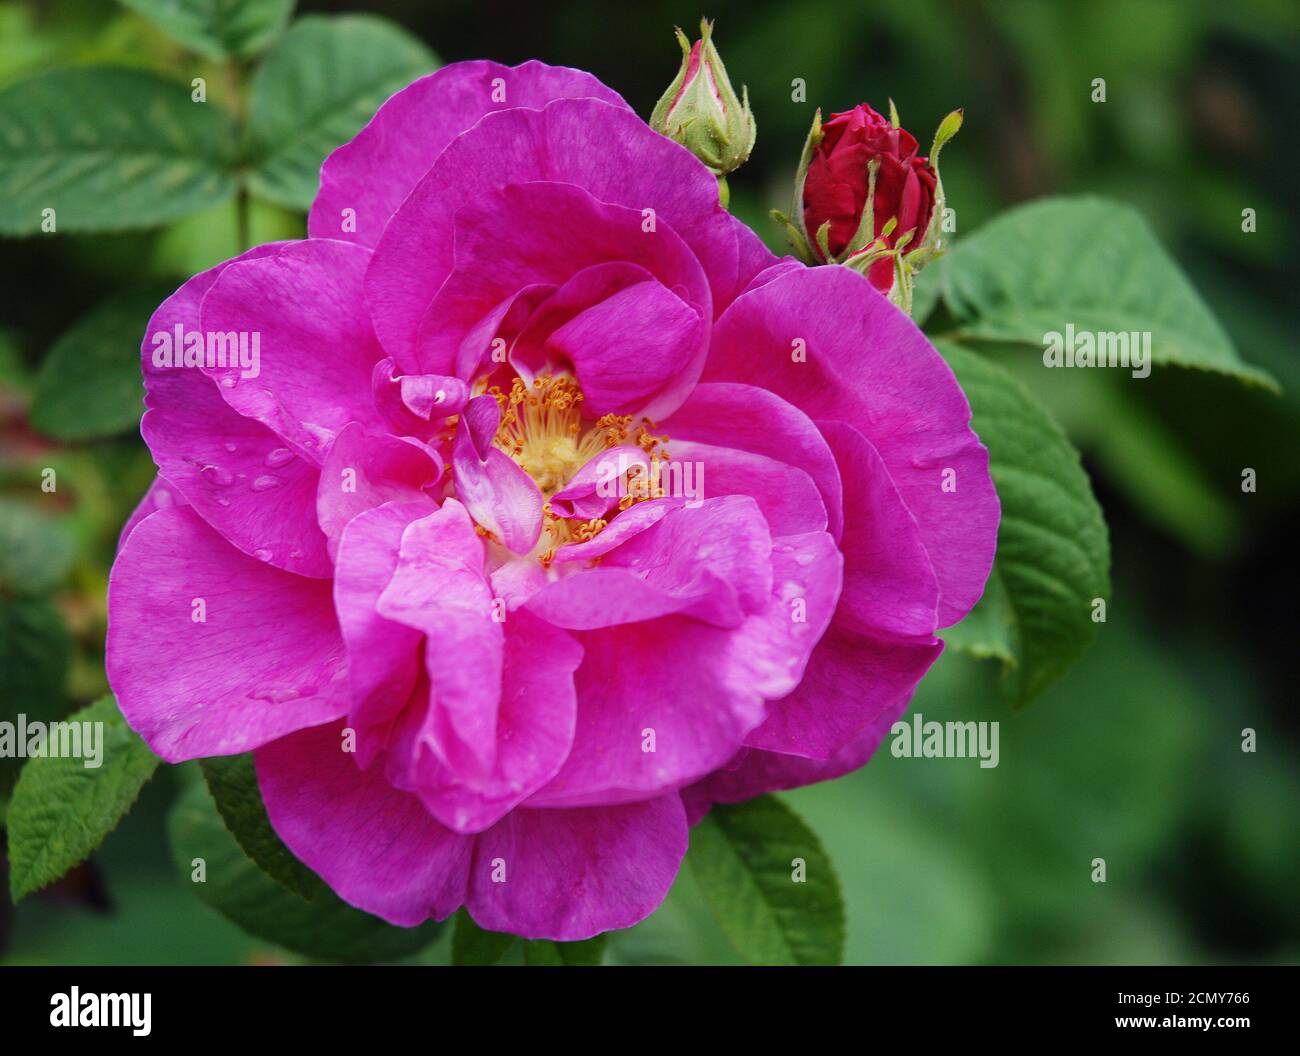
[[543, 430], [590, 529]]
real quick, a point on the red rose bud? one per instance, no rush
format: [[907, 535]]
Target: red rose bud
[[836, 189], [701, 111], [865, 198]]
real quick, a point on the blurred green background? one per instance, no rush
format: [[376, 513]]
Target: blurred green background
[[1136, 755]]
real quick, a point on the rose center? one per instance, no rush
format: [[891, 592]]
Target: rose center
[[543, 430]]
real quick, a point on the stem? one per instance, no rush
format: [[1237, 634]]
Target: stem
[[234, 76], [241, 220], [724, 192]]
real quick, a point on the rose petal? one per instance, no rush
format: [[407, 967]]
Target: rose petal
[[220, 461], [711, 561], [416, 404], [378, 848], [534, 732], [787, 497], [890, 588], [850, 679], [497, 492], [754, 772], [746, 418], [266, 658], [363, 471], [162, 495], [607, 151], [866, 364], [318, 351], [373, 173], [383, 656], [439, 589], [600, 483], [633, 344], [571, 874]]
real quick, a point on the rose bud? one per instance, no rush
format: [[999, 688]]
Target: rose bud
[[700, 109], [865, 198]]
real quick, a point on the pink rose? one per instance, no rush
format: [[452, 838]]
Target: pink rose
[[471, 623]]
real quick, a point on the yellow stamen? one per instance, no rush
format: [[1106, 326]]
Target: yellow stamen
[[542, 429]]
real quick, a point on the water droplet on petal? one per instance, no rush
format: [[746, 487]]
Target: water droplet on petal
[[318, 435], [275, 694], [266, 483], [262, 555], [231, 446], [218, 475], [279, 457], [229, 381]]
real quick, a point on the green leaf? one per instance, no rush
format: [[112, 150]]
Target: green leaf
[[35, 651], [218, 28], [1053, 555], [1091, 263], [988, 631], [326, 927], [35, 550], [586, 953], [316, 88], [1133, 448], [744, 857], [232, 780], [471, 944], [90, 386], [62, 808], [108, 149]]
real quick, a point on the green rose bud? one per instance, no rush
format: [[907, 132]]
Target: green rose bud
[[700, 109]]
